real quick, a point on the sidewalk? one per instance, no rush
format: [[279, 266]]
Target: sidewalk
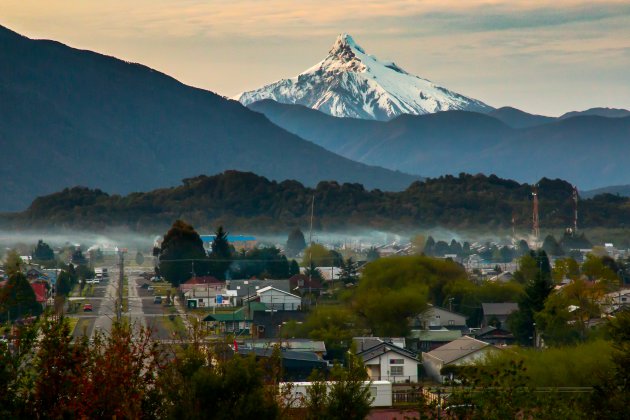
[[182, 313]]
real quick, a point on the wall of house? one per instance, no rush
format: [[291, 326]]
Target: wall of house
[[281, 301], [437, 317], [409, 368]]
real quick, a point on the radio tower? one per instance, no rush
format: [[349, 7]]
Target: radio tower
[[575, 209], [535, 221]]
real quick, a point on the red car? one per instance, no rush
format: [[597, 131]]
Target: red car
[[87, 307]]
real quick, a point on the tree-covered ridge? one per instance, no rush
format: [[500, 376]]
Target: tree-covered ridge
[[244, 200]]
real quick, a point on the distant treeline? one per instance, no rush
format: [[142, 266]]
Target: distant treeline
[[245, 201]]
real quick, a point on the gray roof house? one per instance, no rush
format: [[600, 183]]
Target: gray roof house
[[463, 351], [496, 314]]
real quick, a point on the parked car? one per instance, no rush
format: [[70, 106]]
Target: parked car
[[150, 288], [87, 307], [157, 299], [144, 286]]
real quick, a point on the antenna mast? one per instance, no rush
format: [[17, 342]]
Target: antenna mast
[[575, 210], [535, 220]]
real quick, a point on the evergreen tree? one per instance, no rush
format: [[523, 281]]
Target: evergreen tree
[[182, 252], [221, 255], [456, 248], [349, 271], [139, 258], [294, 268], [537, 289], [295, 243], [373, 254], [552, 247], [43, 252]]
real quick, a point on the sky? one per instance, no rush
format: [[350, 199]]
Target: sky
[[545, 57]]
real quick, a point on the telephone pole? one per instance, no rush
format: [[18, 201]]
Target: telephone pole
[[121, 276]]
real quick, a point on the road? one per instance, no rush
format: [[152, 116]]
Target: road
[[141, 312]]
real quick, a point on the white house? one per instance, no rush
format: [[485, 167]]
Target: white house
[[277, 300], [388, 362], [463, 351], [209, 297]]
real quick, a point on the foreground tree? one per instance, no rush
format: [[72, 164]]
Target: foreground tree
[[345, 395], [17, 299], [182, 253]]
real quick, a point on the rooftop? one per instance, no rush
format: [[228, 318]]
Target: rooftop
[[457, 349]]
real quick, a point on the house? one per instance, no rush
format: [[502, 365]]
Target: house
[[495, 336], [293, 344], [276, 299], [437, 318], [41, 292], [303, 284], [427, 340], [209, 298], [245, 288], [269, 323], [496, 314], [296, 365], [388, 362], [463, 351], [236, 322]]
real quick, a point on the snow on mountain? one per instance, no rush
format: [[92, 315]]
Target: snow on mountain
[[351, 83]]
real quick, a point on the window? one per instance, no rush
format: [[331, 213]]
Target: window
[[451, 322], [397, 370], [396, 361]]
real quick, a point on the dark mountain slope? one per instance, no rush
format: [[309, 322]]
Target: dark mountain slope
[[516, 118], [69, 116], [589, 151]]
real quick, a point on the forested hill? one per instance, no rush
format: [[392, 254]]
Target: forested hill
[[245, 201]]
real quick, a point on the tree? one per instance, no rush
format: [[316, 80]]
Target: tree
[[78, 258], [295, 243], [43, 252], [139, 258], [221, 255], [551, 246], [318, 256], [533, 301], [17, 298], [346, 397], [181, 252], [12, 263], [373, 254], [64, 283], [349, 272], [294, 268], [394, 289]]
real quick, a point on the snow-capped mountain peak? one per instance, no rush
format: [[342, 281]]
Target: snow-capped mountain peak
[[351, 83]]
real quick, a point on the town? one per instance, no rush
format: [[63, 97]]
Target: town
[[417, 322]]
